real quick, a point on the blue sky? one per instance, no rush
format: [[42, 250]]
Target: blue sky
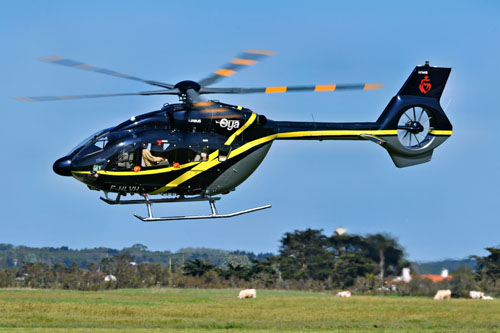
[[445, 208]]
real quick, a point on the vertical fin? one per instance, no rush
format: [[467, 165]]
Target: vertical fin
[[426, 81]]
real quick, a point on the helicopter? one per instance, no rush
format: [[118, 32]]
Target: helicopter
[[196, 149]]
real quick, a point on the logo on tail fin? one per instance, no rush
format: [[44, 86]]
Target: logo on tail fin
[[425, 85]]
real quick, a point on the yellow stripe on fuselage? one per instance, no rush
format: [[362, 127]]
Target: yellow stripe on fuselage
[[202, 166], [138, 173], [251, 144], [301, 134], [239, 131], [438, 132]]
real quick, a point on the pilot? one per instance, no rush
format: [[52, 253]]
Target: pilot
[[150, 159]]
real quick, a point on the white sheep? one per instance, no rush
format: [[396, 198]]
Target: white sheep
[[248, 293], [443, 294], [476, 294], [346, 293]]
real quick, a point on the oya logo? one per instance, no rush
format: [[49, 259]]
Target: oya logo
[[229, 124], [425, 85]]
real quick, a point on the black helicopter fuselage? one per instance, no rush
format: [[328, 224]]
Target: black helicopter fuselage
[[206, 150], [200, 149]]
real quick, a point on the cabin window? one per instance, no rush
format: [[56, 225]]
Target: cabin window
[[224, 152], [162, 153], [200, 153], [124, 159], [159, 153], [155, 154]]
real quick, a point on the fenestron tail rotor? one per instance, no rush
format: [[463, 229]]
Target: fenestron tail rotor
[[414, 127], [189, 91]]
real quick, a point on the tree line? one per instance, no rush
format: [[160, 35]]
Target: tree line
[[307, 260], [14, 256]]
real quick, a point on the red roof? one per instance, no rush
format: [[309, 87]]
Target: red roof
[[435, 277]]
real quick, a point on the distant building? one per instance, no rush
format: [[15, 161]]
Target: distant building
[[406, 274], [405, 277], [438, 278], [340, 231]]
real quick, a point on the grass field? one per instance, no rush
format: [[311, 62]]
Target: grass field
[[201, 310]]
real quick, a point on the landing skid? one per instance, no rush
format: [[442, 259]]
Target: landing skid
[[150, 218]]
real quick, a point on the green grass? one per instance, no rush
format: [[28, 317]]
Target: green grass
[[201, 310]]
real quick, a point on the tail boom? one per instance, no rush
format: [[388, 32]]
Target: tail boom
[[411, 126], [288, 130]]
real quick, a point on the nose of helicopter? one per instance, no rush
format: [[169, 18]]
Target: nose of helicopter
[[63, 166]]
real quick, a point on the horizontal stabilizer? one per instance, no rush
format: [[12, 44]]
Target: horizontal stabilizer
[[406, 161]]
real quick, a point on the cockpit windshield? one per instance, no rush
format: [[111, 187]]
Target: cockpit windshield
[[81, 144], [99, 148]]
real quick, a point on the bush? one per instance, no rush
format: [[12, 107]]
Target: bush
[[463, 282]]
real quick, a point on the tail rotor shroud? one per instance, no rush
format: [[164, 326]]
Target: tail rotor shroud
[[416, 117], [414, 128]]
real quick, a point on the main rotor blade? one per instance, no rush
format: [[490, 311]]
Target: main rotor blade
[[244, 59], [284, 89], [59, 98], [86, 67]]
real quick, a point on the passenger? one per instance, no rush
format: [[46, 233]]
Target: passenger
[[150, 159], [200, 157]]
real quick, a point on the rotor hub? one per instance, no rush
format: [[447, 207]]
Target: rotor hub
[[414, 126], [183, 86]]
